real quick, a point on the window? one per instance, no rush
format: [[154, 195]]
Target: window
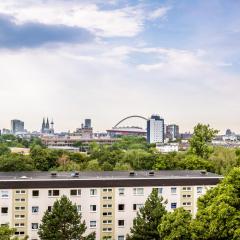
[[20, 199], [93, 208], [120, 223], [107, 221], [79, 208], [187, 203], [93, 192], [173, 205], [19, 208], [121, 237], [138, 191], [107, 205], [49, 208], [107, 229], [121, 191], [75, 192], [160, 190], [187, 189], [17, 216], [53, 193], [19, 233], [107, 190], [121, 207], [20, 191], [136, 207], [35, 209], [107, 213], [93, 224], [187, 195], [173, 190], [199, 189], [107, 198], [35, 193], [4, 210], [19, 225], [34, 226], [4, 194]]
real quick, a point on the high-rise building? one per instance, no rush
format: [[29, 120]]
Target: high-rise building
[[88, 123], [17, 126], [172, 131], [155, 129]]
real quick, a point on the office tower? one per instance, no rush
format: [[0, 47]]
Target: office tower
[[88, 123], [172, 131], [155, 129], [17, 126]]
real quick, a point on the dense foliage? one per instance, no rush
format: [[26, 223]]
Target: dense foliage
[[7, 233], [63, 225]]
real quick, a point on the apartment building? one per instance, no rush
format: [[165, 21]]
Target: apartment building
[[108, 201]]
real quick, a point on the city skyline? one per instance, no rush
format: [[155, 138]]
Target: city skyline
[[105, 61]]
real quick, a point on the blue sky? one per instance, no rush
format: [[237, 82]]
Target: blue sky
[[73, 59]]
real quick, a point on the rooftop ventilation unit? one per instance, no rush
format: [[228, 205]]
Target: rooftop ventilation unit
[[53, 174], [75, 174], [23, 177], [151, 173], [132, 174], [203, 172]]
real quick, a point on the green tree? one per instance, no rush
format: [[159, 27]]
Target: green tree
[[4, 149], [224, 159], [63, 225], [202, 137], [7, 233], [176, 225], [218, 215], [16, 162], [148, 218]]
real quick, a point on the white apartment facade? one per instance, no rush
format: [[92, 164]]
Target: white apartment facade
[[108, 201]]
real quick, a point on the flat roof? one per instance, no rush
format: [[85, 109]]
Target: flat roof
[[107, 175]]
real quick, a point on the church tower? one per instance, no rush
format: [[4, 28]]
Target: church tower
[[43, 125], [47, 124]]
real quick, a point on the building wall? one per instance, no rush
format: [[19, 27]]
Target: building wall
[[130, 198]]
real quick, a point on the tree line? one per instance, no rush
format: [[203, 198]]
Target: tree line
[[129, 153]]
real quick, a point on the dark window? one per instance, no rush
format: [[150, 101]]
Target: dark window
[[35, 193], [120, 222], [4, 210], [173, 205], [121, 207]]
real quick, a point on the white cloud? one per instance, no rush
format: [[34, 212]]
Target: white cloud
[[158, 13], [121, 22]]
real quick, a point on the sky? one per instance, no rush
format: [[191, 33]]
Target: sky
[[108, 59]]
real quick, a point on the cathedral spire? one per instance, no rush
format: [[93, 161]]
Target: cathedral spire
[[43, 125], [47, 124]]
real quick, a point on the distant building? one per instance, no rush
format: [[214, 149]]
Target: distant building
[[46, 129], [6, 131], [172, 131], [167, 148], [17, 126], [88, 123], [155, 129], [126, 131]]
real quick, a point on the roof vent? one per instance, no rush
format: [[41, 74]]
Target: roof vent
[[75, 174], [203, 172], [151, 173], [23, 177], [53, 174], [131, 174]]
